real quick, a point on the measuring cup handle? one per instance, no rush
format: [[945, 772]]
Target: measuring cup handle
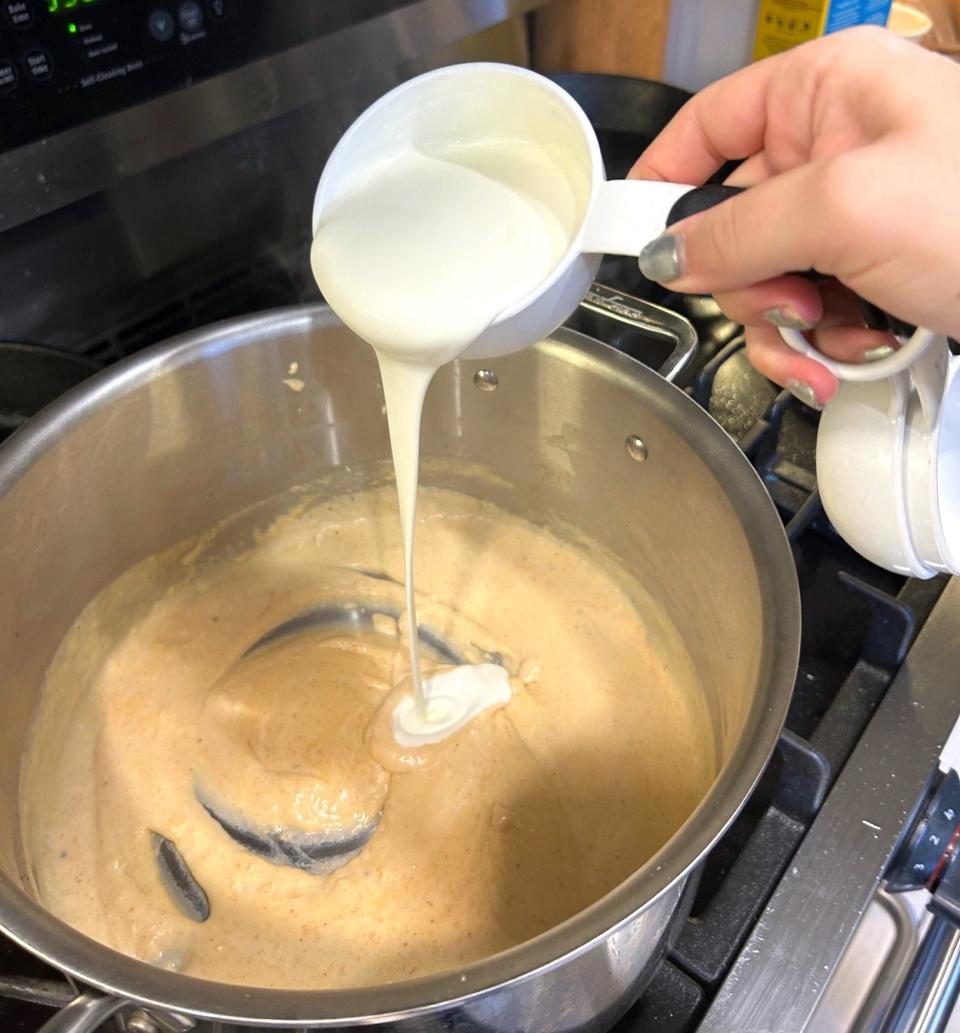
[[701, 198]]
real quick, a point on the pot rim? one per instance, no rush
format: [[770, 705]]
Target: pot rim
[[26, 922]]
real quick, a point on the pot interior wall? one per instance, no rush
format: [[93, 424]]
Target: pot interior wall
[[189, 436]]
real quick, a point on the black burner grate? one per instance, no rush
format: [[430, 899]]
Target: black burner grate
[[263, 284], [25, 982]]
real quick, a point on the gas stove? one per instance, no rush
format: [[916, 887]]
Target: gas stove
[[121, 227], [861, 627]]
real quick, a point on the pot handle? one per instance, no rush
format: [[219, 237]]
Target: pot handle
[[653, 320], [83, 1014]]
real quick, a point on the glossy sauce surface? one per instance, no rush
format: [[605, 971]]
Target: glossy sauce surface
[[529, 813]]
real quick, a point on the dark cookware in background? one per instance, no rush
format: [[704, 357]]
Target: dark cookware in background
[[627, 115], [624, 112]]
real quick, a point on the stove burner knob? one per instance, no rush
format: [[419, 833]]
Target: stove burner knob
[[929, 992], [927, 853]]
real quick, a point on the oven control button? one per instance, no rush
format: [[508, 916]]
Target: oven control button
[[19, 13], [219, 9], [39, 65], [161, 25], [190, 16], [8, 75]]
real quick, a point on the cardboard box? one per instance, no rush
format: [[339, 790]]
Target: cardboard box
[[782, 24]]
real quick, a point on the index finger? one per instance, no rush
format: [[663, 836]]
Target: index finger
[[725, 121]]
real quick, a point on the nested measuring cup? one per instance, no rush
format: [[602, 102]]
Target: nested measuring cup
[[888, 457]]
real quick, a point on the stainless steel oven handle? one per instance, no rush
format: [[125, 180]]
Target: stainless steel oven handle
[[649, 318], [895, 968], [927, 998], [83, 1014]]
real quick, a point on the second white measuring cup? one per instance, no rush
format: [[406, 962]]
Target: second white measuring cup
[[888, 460]]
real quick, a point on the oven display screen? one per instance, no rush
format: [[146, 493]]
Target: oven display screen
[[66, 6]]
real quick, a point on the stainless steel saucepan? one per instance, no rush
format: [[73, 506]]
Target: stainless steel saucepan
[[569, 433]]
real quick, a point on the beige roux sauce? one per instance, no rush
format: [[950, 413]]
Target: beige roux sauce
[[527, 815]]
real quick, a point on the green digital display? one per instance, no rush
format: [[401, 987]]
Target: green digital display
[[66, 6]]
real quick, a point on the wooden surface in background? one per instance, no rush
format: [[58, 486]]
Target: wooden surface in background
[[619, 37], [945, 15]]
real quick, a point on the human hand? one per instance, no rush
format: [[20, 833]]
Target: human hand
[[852, 150]]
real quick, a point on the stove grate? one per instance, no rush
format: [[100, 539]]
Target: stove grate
[[858, 623]]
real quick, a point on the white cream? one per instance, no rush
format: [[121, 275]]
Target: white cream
[[421, 254], [418, 256], [453, 697]]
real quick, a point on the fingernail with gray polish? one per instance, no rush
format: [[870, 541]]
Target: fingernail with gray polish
[[787, 319], [878, 353], [803, 393], [661, 260]]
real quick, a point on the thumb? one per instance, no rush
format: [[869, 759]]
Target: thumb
[[779, 226]]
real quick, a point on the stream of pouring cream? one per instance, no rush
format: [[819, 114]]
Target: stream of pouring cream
[[404, 392], [418, 259]]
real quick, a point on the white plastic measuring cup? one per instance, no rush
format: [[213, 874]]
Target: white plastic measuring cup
[[888, 451], [467, 103]]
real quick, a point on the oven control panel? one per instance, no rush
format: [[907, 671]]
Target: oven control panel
[[65, 62]]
